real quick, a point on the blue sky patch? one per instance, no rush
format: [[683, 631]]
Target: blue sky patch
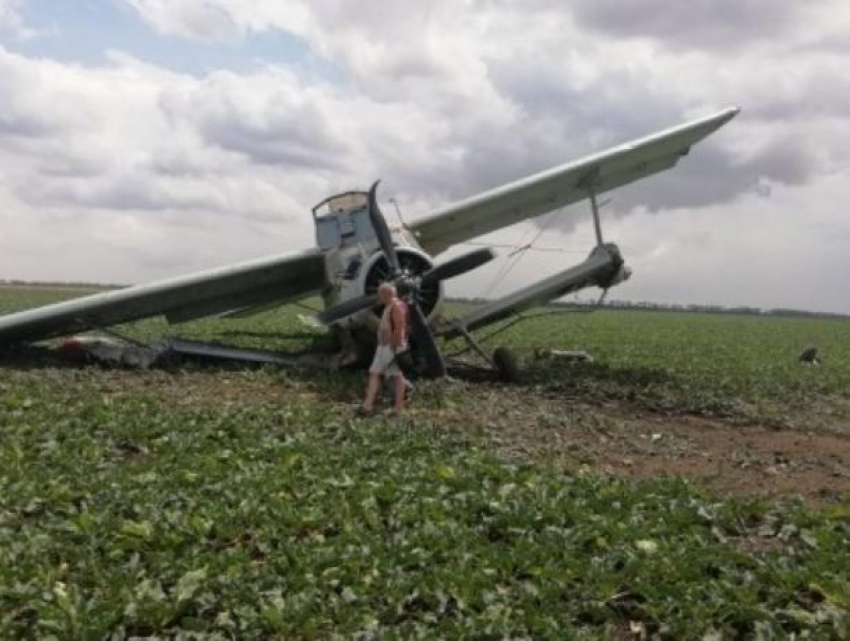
[[83, 32]]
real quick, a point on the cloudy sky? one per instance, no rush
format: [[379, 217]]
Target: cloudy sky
[[141, 139]]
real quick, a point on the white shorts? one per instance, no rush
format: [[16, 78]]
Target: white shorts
[[384, 362]]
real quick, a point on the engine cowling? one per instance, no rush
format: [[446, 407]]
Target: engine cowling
[[413, 264]]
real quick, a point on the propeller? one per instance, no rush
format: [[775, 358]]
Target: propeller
[[409, 286], [426, 345], [347, 308], [382, 230], [457, 266]]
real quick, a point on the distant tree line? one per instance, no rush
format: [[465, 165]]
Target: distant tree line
[[610, 304], [674, 307], [59, 285], [720, 309]]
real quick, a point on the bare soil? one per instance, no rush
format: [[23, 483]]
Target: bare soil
[[528, 424], [618, 439], [630, 442]]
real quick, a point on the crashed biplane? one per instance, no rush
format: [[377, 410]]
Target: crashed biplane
[[357, 250]]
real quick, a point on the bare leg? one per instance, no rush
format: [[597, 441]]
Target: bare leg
[[400, 386], [371, 391]]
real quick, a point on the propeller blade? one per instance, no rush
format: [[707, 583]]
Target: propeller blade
[[382, 230], [435, 367], [347, 308], [457, 266]]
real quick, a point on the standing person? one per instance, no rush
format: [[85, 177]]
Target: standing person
[[392, 339]]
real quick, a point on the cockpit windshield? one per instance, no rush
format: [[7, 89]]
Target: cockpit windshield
[[343, 220]]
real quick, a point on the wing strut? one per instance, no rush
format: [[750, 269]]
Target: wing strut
[[588, 184], [596, 223]]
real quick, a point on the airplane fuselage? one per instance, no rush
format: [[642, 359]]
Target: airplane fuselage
[[355, 265], [356, 251]]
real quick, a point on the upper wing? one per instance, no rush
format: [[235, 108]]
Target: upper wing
[[258, 282], [563, 185]]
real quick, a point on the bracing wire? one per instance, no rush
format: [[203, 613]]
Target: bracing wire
[[503, 269], [557, 250], [518, 253], [519, 318]]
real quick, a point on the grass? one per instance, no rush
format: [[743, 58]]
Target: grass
[[744, 368], [231, 503]]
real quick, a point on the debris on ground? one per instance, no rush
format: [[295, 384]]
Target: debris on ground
[[563, 355], [110, 350], [810, 355]]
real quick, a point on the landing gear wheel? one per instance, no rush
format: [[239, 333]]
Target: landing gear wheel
[[506, 365]]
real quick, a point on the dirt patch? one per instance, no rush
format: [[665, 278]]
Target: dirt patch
[[734, 459], [618, 439], [532, 424], [622, 440]]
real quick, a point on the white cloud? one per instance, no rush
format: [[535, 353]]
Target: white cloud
[[205, 20], [440, 99], [12, 22], [9, 16]]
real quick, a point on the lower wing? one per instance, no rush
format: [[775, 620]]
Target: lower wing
[[255, 283], [602, 268]]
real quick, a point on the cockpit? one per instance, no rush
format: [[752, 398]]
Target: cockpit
[[343, 220]]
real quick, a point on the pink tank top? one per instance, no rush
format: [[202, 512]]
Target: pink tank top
[[385, 326]]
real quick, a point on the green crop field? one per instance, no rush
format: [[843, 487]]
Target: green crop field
[[666, 490]]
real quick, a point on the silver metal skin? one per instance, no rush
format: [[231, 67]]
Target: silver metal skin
[[353, 238], [603, 268], [258, 282], [563, 185], [412, 281]]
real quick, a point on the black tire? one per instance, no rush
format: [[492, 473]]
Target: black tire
[[506, 365]]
